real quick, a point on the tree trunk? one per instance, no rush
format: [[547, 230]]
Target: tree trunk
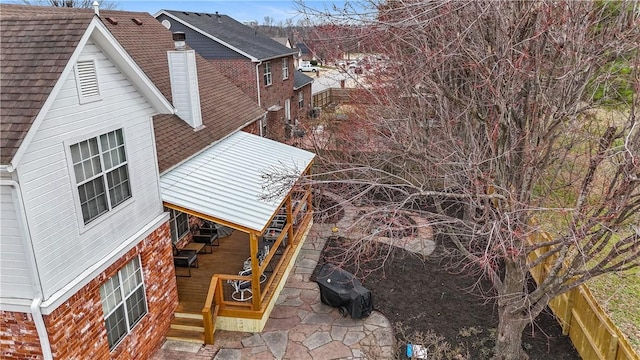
[[509, 335], [511, 319]]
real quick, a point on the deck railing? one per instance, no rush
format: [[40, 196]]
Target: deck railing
[[219, 301], [208, 316]]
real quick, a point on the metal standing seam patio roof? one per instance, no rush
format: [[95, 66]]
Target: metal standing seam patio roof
[[226, 181]]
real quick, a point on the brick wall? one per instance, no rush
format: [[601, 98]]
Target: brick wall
[[241, 72], [302, 113], [279, 90], [76, 328], [253, 128], [18, 337]]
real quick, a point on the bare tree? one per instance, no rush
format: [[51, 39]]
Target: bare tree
[[269, 21], [496, 121], [86, 4]]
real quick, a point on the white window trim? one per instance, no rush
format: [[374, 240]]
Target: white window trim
[[124, 301], [87, 99], [300, 100], [285, 68], [267, 76], [74, 186], [173, 223]]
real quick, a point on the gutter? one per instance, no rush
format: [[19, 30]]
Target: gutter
[[279, 56], [41, 328], [258, 89]]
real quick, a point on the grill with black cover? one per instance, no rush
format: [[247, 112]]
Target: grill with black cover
[[339, 288]]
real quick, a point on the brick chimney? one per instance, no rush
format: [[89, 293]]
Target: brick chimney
[[183, 74]]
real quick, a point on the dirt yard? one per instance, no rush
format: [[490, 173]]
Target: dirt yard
[[429, 301]]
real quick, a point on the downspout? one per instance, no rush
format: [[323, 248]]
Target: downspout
[[41, 328], [258, 88]]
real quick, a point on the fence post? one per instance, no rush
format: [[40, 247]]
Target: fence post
[[568, 313], [613, 347]]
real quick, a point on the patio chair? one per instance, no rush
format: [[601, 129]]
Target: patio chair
[[271, 235], [278, 222], [184, 258], [247, 268], [241, 287], [207, 235]]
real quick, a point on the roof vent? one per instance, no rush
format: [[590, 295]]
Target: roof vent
[[218, 16], [179, 40], [137, 21], [112, 20]]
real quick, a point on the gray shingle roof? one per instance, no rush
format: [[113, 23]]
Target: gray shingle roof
[[234, 33], [35, 47], [300, 80]]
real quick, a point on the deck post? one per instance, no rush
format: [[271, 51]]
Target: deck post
[[289, 209], [255, 271]]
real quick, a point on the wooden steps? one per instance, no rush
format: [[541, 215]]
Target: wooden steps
[[187, 327]]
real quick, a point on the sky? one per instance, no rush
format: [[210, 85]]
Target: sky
[[241, 10]]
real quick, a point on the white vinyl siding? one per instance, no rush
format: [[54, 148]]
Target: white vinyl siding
[[123, 302], [267, 73], [64, 246], [86, 71], [285, 69], [15, 276]]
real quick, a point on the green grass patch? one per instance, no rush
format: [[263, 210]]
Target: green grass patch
[[619, 296]]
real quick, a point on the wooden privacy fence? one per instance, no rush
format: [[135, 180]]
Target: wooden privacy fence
[[333, 96], [591, 330]]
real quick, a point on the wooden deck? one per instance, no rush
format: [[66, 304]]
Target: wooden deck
[[227, 258]]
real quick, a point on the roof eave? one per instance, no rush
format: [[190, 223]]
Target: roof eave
[[303, 85], [276, 56]]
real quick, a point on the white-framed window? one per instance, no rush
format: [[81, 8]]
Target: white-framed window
[[86, 72], [300, 100], [285, 69], [267, 73], [179, 224], [124, 302], [101, 172]]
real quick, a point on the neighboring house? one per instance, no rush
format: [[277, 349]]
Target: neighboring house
[[259, 65], [306, 54], [297, 57], [201, 168], [86, 268], [283, 41]]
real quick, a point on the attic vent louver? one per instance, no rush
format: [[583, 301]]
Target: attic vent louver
[[87, 80]]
